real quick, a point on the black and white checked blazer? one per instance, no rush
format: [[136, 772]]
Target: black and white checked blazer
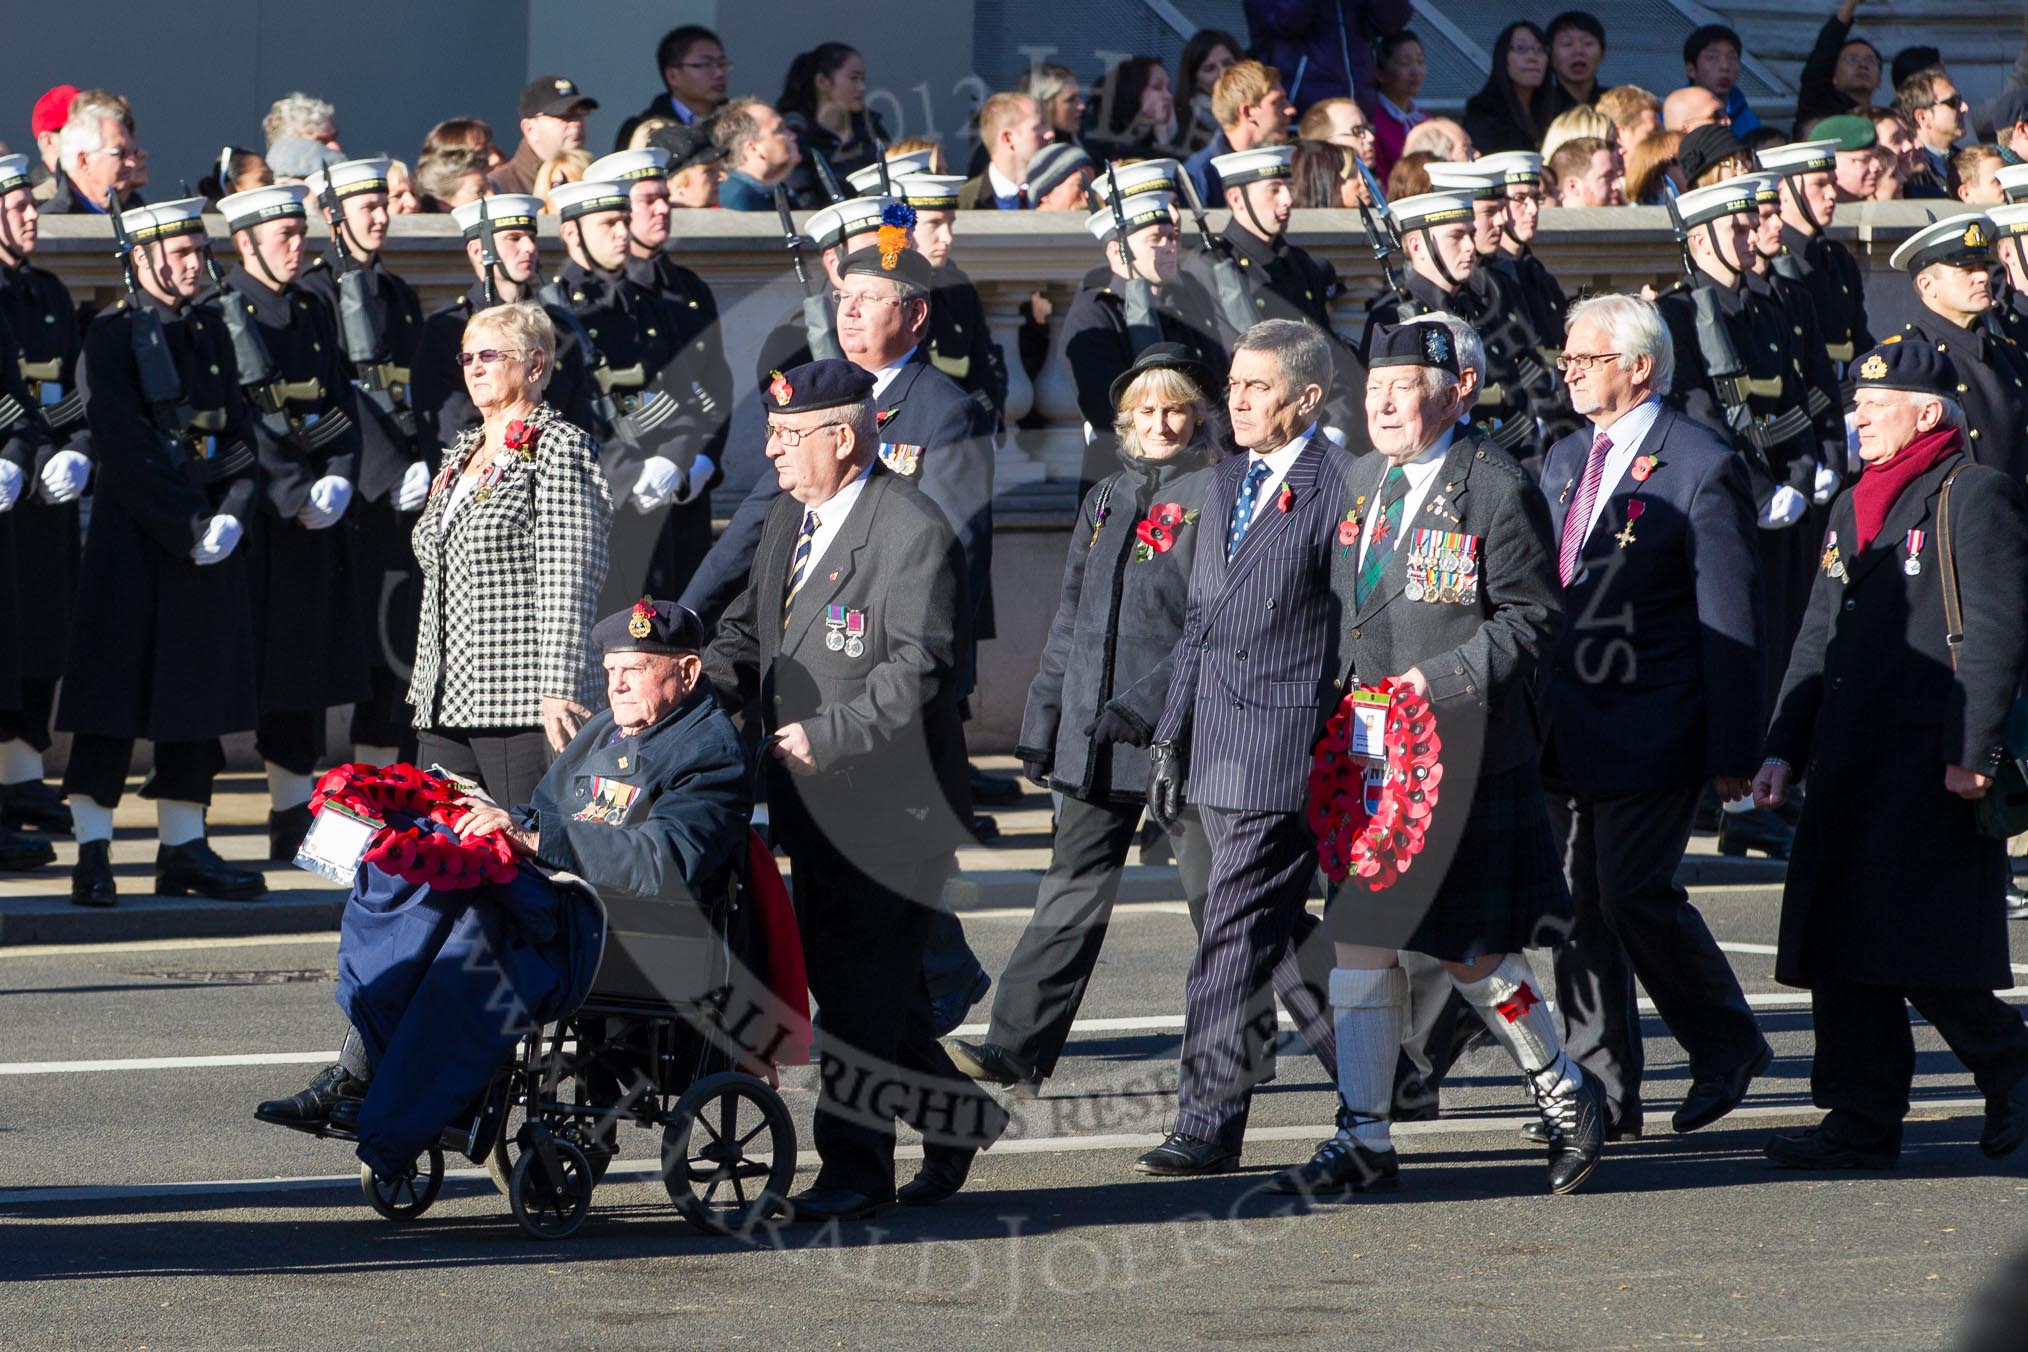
[[510, 592]]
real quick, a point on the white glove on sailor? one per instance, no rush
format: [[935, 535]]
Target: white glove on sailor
[[415, 488], [221, 537], [11, 479], [657, 484], [329, 497], [1785, 508], [700, 475], [1826, 486], [63, 478]]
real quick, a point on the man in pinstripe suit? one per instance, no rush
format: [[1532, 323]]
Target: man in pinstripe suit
[[1241, 718]]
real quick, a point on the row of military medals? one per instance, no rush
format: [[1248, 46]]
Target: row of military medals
[[1911, 565], [1442, 566], [845, 630]]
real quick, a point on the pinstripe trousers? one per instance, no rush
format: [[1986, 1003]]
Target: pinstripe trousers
[[1258, 942]]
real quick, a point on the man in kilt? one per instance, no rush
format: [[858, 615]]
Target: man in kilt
[[1447, 577]]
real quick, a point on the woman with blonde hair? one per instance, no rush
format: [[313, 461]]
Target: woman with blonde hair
[[1095, 700], [565, 166], [512, 550], [1579, 123]]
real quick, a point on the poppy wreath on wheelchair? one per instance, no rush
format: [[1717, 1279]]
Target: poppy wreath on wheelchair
[[419, 843]]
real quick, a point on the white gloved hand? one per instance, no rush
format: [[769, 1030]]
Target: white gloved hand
[[1826, 486], [700, 474], [63, 478], [11, 479], [657, 484], [221, 537], [329, 497], [415, 488], [1785, 508]]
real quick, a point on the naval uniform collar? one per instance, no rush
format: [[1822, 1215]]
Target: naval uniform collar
[[270, 306]]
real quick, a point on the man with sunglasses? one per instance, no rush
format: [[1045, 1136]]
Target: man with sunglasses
[[1932, 104]]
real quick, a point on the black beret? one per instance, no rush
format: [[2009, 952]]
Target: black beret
[[1913, 364], [1705, 146], [1164, 357], [687, 144], [1419, 342], [901, 265], [828, 383], [651, 626]]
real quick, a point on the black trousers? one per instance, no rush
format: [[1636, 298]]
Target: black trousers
[[1257, 941], [382, 718], [880, 1059], [1632, 920], [183, 772], [506, 763], [293, 740], [30, 722], [1045, 980], [1865, 1059]]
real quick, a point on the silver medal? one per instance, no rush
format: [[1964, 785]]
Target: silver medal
[[834, 640], [853, 647], [1413, 591], [1911, 566]]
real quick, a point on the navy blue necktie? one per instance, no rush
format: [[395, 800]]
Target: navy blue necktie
[[1242, 511]]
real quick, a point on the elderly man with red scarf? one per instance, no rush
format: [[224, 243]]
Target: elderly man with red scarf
[[1898, 728]]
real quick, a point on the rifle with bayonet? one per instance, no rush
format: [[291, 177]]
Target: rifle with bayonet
[[830, 180], [1384, 242], [385, 390], [817, 320], [879, 154], [1144, 325], [1235, 306]]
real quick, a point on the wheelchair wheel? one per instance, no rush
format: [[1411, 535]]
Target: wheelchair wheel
[[408, 1196], [729, 1153], [546, 1207], [512, 1144]]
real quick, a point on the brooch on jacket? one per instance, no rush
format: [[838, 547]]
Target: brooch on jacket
[[520, 439], [1159, 530]]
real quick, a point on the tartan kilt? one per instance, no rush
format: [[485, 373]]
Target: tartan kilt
[[1503, 890]]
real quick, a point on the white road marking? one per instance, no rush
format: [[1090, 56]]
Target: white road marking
[[648, 1170], [168, 1063], [326, 940]]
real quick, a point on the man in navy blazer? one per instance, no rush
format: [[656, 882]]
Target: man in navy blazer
[[1654, 688], [1236, 734]]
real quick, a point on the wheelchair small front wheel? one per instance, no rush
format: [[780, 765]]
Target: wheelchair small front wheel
[[729, 1153], [405, 1197], [551, 1205]]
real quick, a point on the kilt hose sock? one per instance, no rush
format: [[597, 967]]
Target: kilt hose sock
[[1521, 1022], [1367, 1008]]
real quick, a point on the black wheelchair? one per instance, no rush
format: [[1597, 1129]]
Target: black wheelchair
[[675, 1036]]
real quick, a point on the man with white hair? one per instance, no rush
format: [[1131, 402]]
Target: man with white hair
[[1870, 925], [96, 154], [1652, 690]]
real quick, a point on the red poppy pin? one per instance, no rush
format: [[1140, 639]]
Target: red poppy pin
[[1348, 529], [779, 388], [1160, 529], [1644, 466], [520, 439], [1287, 498], [882, 418]]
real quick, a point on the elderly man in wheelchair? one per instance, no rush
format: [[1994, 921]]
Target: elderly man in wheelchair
[[441, 979]]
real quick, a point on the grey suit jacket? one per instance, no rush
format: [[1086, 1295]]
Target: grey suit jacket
[[1250, 666], [1479, 655]]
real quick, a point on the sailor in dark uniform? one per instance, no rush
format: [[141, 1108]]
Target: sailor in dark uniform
[[500, 242], [2010, 262], [1809, 193], [1144, 299], [1948, 262], [168, 653], [1441, 234], [1520, 172], [36, 307], [835, 231], [380, 325], [306, 590], [959, 342]]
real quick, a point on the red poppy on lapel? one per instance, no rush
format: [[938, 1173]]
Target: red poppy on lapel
[[881, 418], [1287, 498]]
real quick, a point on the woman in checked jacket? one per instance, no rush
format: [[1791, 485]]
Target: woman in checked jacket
[[1095, 701], [512, 546]]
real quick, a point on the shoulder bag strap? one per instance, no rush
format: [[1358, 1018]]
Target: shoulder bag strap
[[1954, 615]]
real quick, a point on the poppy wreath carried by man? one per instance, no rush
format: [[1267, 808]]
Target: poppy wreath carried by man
[[1370, 821], [419, 843]]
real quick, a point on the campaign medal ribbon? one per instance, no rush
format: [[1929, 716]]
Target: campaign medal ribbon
[[855, 633], [1912, 565], [834, 628]]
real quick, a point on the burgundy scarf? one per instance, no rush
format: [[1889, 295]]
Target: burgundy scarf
[[1880, 485]]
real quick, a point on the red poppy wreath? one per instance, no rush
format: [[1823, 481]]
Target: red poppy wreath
[[417, 854], [1370, 821]]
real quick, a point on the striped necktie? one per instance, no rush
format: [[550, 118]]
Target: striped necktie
[[1578, 524], [1380, 543], [1242, 510], [799, 571]]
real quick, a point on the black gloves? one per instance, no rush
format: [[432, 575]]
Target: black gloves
[[1113, 728], [1165, 783], [1037, 772]]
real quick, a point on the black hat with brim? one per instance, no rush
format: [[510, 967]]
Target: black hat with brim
[[1162, 357]]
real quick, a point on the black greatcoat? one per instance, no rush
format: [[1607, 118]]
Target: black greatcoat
[[1993, 376], [308, 620], [24, 443], [165, 649], [38, 308], [1890, 882], [961, 345], [1832, 274]]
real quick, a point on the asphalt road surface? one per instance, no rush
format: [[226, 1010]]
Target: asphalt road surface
[[142, 1206]]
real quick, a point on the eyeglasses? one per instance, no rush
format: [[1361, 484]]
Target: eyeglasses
[[720, 64], [1362, 131], [792, 437], [487, 356], [122, 153], [1582, 361], [855, 299]]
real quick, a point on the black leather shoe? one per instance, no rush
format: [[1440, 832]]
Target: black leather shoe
[[985, 830], [1576, 1136], [24, 854], [943, 1172], [816, 1205], [1713, 1097], [1759, 830], [2017, 902], [990, 790], [33, 805], [91, 881], [1812, 1149], [345, 1115], [2006, 1122], [989, 1063], [286, 830], [1340, 1166], [1626, 1127], [314, 1106], [1414, 1100], [1182, 1156], [195, 867]]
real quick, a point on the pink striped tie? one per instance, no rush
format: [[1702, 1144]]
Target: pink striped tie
[[1578, 524]]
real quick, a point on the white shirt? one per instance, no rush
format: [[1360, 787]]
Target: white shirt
[[831, 514], [1627, 434], [1001, 185], [1278, 463], [1421, 473], [886, 374]]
